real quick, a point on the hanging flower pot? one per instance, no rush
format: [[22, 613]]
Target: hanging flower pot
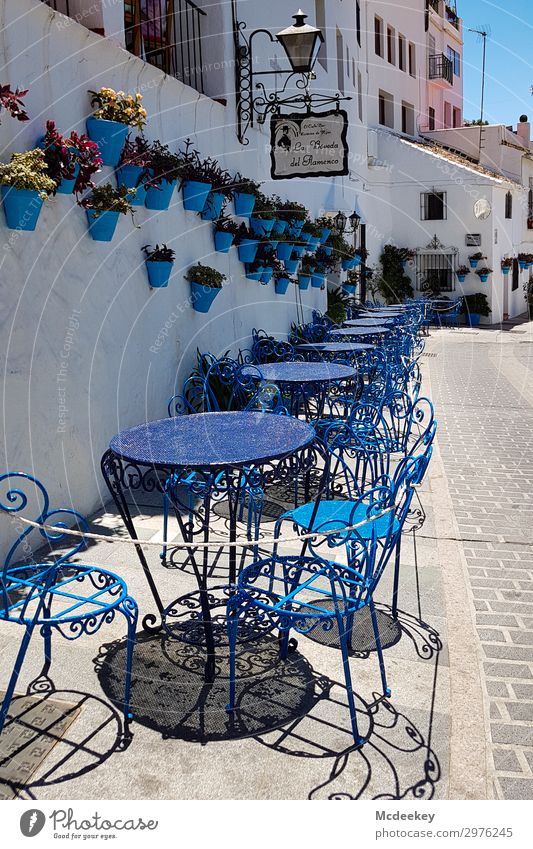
[[461, 278], [317, 280], [202, 296], [159, 262], [248, 249], [261, 226], [159, 197], [483, 277], [279, 227], [291, 265], [483, 274], [522, 264], [223, 241], [284, 250], [505, 270], [325, 234], [110, 137], [206, 283], [474, 259], [22, 207], [267, 274], [131, 177], [295, 227], [243, 203], [66, 187], [254, 272], [346, 264], [102, 226], [348, 288], [213, 206], [273, 244], [298, 250], [327, 250], [304, 281], [281, 285], [195, 195], [25, 184]]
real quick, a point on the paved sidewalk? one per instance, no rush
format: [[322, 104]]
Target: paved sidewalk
[[482, 387]]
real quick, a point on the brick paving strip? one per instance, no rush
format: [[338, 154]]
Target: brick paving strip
[[482, 389]]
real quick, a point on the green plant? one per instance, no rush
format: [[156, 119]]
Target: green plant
[[463, 269], [432, 284], [164, 164], [290, 210], [63, 155], [313, 229], [308, 265], [406, 254], [108, 198], [341, 248], [362, 252], [245, 185], [161, 253], [325, 221], [477, 304], [136, 151], [205, 276], [264, 207], [393, 284], [482, 271], [28, 171], [353, 278], [226, 225], [337, 305], [195, 168], [118, 106]]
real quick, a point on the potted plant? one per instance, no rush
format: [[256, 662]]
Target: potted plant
[[483, 273], [159, 262], [304, 276], [264, 215], [352, 282], [245, 192], [326, 260], [221, 190], [295, 214], [225, 231], [361, 255], [281, 281], [196, 175], [326, 227], [524, 260], [108, 126], [462, 271], [206, 283], [291, 265], [134, 168], [284, 246], [473, 259], [406, 254], [25, 184], [318, 278], [475, 306], [165, 171], [103, 207], [72, 161], [313, 232], [247, 244], [507, 264], [254, 270]]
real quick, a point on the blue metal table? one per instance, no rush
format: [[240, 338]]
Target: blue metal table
[[368, 322], [220, 455], [305, 386], [360, 332]]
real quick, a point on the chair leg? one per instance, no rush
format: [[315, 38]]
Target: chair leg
[[386, 691], [232, 617], [131, 612], [15, 674], [163, 554], [396, 580], [348, 680]]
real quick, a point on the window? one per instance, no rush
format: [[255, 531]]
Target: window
[[401, 52], [391, 46], [433, 206], [378, 36], [386, 109], [412, 59], [508, 205], [530, 210], [457, 117], [455, 59], [358, 21], [436, 268], [320, 16], [431, 118], [408, 118], [447, 114], [360, 95], [340, 61]]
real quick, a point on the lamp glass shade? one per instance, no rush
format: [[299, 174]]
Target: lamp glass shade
[[355, 221], [301, 43], [340, 222]]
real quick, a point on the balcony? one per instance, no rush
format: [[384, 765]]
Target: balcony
[[435, 5], [167, 34], [440, 68], [451, 16]]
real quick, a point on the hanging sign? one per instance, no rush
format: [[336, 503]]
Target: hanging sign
[[310, 145]]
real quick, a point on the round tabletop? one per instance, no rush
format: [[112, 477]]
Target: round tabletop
[[337, 347], [368, 322], [361, 331], [298, 372], [384, 315], [218, 440]]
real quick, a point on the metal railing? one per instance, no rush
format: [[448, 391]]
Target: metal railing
[[441, 68], [451, 15], [435, 4], [167, 34], [62, 6]]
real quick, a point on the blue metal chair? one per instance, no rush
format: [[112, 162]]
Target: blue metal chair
[[310, 591], [54, 594], [267, 349]]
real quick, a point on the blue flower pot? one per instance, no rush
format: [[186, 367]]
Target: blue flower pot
[[284, 250], [202, 296], [473, 263], [267, 275], [213, 206], [109, 136], [279, 227], [102, 227], [483, 277], [327, 250], [326, 233], [295, 227], [314, 242], [248, 249], [291, 265], [281, 285], [317, 280], [273, 244], [346, 264], [505, 270], [304, 281], [261, 226], [522, 264], [159, 197], [129, 176], [254, 275], [195, 195], [357, 261], [66, 187], [21, 207], [298, 250], [461, 278], [474, 318], [158, 273], [223, 241], [243, 204], [350, 290]]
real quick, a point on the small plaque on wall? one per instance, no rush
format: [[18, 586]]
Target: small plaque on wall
[[473, 240]]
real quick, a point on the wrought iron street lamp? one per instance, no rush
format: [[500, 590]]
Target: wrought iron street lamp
[[341, 220], [301, 43]]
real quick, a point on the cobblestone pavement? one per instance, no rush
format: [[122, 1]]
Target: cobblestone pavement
[[481, 384]]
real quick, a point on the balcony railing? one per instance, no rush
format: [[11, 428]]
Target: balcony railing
[[452, 16], [167, 34], [59, 6], [441, 68], [435, 4]]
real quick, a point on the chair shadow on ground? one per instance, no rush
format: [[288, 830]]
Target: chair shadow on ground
[[286, 706]]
